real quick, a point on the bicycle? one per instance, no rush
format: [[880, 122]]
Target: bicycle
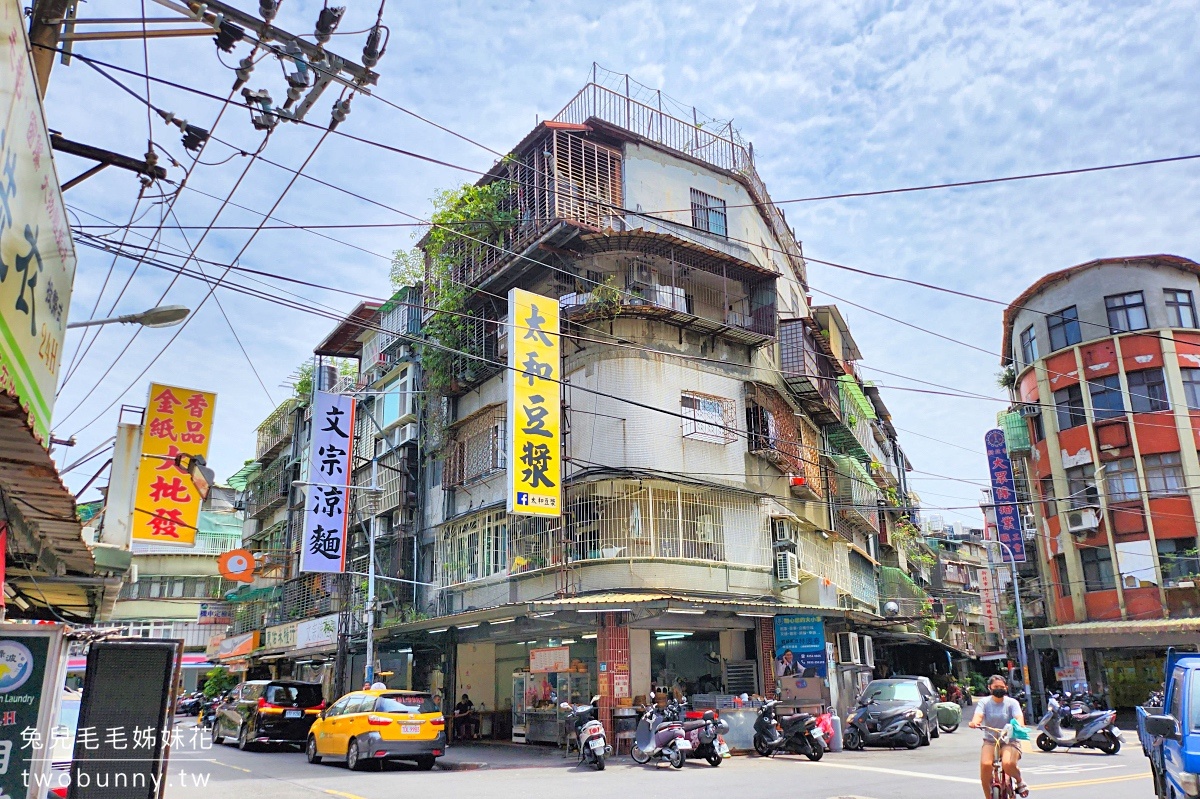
[[1002, 783]]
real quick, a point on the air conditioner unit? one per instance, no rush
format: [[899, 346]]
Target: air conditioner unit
[[1029, 521], [1082, 520], [781, 531], [848, 652], [404, 434], [866, 647], [787, 568], [1031, 409]]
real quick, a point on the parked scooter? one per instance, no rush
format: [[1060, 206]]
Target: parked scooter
[[660, 735], [869, 725], [797, 733], [706, 737], [1096, 731], [208, 715], [589, 733]]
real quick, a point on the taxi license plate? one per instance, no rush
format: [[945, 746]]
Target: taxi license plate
[[293, 714], [410, 729]]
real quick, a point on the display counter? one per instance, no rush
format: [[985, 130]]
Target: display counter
[[543, 726]]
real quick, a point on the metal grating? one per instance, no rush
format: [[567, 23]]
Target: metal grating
[[276, 431], [477, 448]]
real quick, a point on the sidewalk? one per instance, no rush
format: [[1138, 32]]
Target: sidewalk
[[502, 755]]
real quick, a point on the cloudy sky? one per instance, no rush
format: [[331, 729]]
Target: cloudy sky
[[836, 97]]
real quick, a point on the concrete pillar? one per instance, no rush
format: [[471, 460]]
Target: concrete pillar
[[639, 662]]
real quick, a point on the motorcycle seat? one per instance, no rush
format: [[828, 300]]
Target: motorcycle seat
[[694, 724], [796, 717]]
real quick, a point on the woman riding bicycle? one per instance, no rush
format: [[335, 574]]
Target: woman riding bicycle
[[992, 714]]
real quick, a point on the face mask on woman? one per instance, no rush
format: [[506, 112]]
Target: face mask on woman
[[999, 691]]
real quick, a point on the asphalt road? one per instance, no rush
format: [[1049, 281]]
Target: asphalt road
[[949, 767]]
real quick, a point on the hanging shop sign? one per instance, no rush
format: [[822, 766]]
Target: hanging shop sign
[[237, 645], [1004, 495], [800, 646], [552, 659], [281, 636], [166, 505], [237, 565], [37, 256], [214, 613], [991, 605], [534, 405], [317, 632], [33, 661], [327, 509]]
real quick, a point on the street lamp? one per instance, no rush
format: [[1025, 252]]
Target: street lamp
[[162, 316]]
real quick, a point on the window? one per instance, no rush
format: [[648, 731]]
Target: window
[[1107, 401], [761, 427], [1068, 402], [1081, 486], [406, 703], [1181, 308], [1029, 351], [339, 707], [1164, 474], [361, 704], [1121, 480], [708, 213], [477, 450], [1049, 503], [1064, 328], [1191, 387], [1060, 572], [708, 418], [1097, 569], [1148, 391], [1178, 558], [1177, 688], [1194, 704], [395, 401], [1126, 312]]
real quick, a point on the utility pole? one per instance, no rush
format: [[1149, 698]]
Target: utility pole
[[371, 523]]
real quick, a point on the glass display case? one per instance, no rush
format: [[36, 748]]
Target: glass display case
[[537, 717]]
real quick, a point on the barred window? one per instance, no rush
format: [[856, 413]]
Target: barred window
[[477, 450], [708, 213], [708, 418]]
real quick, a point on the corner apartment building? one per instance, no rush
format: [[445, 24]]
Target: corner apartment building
[[1107, 375], [761, 492]]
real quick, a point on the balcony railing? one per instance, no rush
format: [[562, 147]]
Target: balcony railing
[[300, 598], [269, 489], [856, 497], [276, 431], [208, 542], [809, 370]]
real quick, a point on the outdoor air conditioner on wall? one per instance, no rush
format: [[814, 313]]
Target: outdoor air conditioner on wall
[[1031, 410], [866, 647], [405, 434], [1082, 520], [848, 652], [787, 568]]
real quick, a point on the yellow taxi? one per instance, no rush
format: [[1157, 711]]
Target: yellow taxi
[[368, 727]]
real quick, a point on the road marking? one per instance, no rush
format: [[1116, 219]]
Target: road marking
[[343, 794], [1082, 783], [229, 765], [897, 772], [1063, 768]]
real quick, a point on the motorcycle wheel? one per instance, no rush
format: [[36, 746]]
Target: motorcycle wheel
[[760, 746], [714, 759], [852, 739], [1046, 743], [639, 757], [911, 739], [598, 762], [947, 727], [675, 758], [1111, 745], [814, 751]]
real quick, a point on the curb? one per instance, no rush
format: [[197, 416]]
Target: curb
[[466, 766]]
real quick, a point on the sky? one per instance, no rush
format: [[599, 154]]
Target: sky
[[836, 97]]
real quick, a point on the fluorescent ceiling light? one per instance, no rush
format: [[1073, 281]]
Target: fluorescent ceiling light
[[588, 635], [467, 626], [686, 611], [541, 615], [605, 610], [569, 641], [671, 634], [757, 615], [501, 621], [438, 630]]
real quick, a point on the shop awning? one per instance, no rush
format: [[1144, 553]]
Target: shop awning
[[1151, 633], [884, 636]]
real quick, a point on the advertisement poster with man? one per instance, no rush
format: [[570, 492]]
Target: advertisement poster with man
[[800, 647]]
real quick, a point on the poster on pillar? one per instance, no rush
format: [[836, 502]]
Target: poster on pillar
[[534, 406], [178, 423], [800, 647], [327, 507], [1004, 496]]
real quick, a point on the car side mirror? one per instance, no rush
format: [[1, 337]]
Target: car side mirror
[[1162, 726]]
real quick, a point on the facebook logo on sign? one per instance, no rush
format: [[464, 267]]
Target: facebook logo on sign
[[522, 498]]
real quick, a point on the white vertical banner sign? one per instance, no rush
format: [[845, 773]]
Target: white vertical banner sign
[[991, 606], [327, 509]]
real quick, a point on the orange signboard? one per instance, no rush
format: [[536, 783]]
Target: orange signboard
[[167, 504]]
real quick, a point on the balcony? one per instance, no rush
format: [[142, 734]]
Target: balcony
[[784, 439], [852, 434], [657, 275], [810, 369], [270, 546], [292, 600], [269, 489], [276, 431], [856, 498]]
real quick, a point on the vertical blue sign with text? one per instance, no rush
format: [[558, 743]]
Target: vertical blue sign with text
[[1004, 494], [800, 646]]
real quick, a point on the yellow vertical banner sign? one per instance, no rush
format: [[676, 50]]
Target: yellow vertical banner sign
[[167, 504], [534, 405]]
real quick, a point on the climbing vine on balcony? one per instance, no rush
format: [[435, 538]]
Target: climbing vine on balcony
[[466, 223], [905, 537]]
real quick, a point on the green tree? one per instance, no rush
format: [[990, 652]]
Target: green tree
[[217, 681]]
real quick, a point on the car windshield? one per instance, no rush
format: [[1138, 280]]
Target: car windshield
[[406, 703], [889, 691], [302, 695]]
